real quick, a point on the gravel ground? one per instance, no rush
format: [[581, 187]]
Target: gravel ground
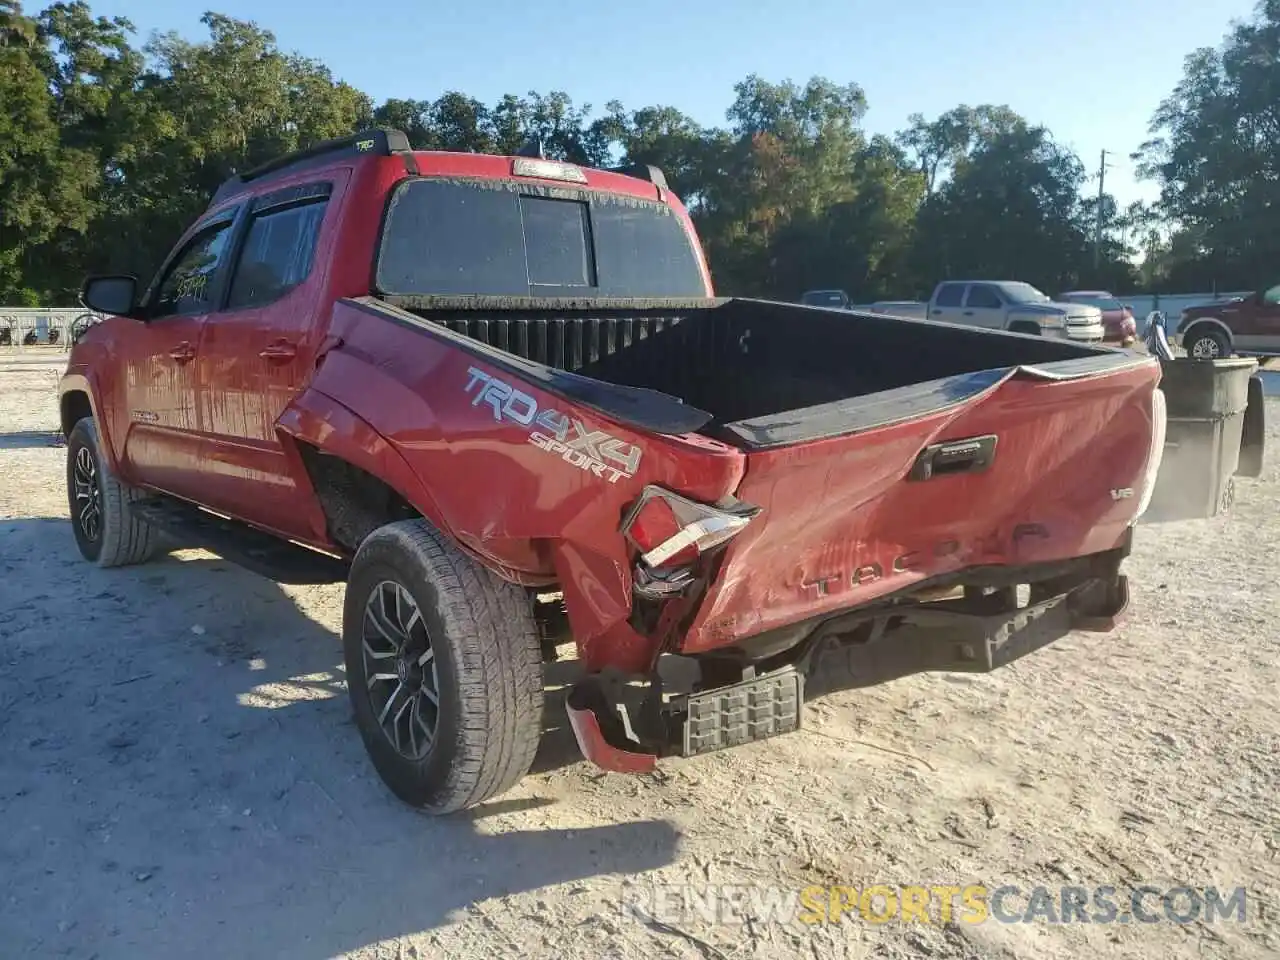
[[179, 775]]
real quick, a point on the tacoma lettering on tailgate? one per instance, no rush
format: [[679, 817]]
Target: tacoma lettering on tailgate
[[594, 451], [920, 560]]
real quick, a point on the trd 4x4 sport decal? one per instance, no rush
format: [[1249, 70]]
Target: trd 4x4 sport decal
[[592, 450]]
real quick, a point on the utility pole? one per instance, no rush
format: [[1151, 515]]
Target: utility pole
[[1097, 230]]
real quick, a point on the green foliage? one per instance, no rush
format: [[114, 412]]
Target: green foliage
[[109, 149], [1215, 150]]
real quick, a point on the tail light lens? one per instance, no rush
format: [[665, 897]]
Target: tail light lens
[[671, 532]]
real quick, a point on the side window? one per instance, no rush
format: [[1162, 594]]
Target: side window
[[189, 285], [950, 295], [277, 254], [984, 298]]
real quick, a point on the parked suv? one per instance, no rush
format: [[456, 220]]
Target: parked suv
[[826, 298]]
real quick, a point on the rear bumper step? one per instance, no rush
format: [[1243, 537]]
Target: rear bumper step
[[754, 709], [881, 647], [689, 725]]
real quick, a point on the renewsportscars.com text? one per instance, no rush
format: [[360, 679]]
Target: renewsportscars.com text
[[972, 903]]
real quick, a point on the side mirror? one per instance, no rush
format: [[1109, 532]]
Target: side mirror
[[111, 295]]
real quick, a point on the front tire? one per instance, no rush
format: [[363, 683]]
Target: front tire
[[107, 532], [444, 669]]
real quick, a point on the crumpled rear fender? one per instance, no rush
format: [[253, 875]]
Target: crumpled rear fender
[[315, 418], [408, 406]]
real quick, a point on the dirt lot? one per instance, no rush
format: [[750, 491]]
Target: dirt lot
[[179, 776]]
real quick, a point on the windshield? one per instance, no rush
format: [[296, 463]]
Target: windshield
[[501, 238], [1023, 293]]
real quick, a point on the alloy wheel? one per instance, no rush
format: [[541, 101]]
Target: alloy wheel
[[401, 678], [88, 497]]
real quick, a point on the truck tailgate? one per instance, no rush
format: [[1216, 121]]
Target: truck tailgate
[[866, 497]]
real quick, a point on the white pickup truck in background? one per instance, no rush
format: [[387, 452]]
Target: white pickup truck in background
[[1001, 305], [1013, 306]]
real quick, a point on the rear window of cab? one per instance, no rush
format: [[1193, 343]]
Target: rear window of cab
[[448, 237]]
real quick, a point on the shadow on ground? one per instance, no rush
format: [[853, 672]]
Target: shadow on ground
[[179, 776], [30, 439]]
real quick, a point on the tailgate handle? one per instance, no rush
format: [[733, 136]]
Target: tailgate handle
[[971, 455]]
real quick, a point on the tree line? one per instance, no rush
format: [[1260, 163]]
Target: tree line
[[108, 149]]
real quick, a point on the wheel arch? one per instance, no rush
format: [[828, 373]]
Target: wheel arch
[[351, 474], [73, 406], [77, 399], [1213, 322]]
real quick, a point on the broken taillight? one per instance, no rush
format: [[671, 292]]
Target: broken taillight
[[671, 532]]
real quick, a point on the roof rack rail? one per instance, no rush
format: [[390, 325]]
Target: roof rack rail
[[378, 142], [643, 171]]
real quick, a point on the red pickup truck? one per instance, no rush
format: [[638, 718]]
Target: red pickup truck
[[496, 394]]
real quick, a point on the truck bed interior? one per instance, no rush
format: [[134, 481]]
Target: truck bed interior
[[740, 359]]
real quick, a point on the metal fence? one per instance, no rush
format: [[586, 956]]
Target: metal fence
[[42, 328]]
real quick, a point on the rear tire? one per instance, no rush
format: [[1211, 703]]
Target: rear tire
[[107, 531], [444, 669], [1207, 343]]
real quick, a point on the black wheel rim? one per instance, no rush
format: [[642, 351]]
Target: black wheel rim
[[400, 678], [88, 498]]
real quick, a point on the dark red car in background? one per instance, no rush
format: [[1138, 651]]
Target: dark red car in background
[[1117, 317]]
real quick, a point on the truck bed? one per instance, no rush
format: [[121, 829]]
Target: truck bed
[[752, 365]]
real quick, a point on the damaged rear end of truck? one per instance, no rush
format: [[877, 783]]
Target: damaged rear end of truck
[[746, 503], [740, 502], [501, 401]]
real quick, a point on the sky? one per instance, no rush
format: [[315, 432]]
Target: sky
[[1092, 71]]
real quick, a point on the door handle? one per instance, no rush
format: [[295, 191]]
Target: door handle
[[279, 350], [937, 311], [183, 352], [972, 455], [968, 313]]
